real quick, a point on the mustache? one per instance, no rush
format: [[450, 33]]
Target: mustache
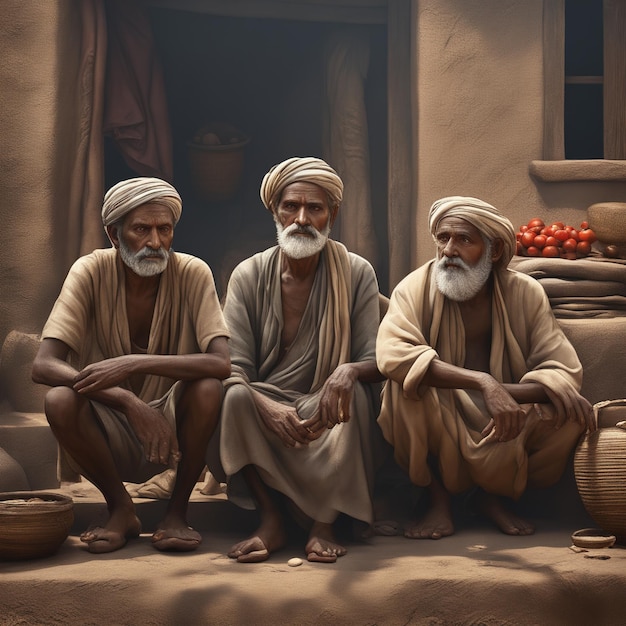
[[149, 253], [297, 229], [444, 263]]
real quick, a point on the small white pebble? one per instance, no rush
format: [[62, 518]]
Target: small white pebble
[[294, 562]]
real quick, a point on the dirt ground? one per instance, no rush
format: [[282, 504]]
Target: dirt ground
[[478, 576]]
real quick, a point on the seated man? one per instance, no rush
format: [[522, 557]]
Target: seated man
[[135, 349], [483, 385], [299, 414]]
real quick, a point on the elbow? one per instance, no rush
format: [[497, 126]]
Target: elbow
[[37, 372], [224, 369]]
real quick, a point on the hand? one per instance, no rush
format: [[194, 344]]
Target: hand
[[336, 396], [104, 374], [572, 406], [157, 437], [284, 422], [507, 416]]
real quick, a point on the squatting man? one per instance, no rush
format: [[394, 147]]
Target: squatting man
[[483, 389], [135, 350], [298, 424]]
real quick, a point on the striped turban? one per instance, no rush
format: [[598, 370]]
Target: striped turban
[[127, 195], [296, 169], [486, 218]]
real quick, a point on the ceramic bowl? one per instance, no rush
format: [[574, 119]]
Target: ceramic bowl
[[592, 538]]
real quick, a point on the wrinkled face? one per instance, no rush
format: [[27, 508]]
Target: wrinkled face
[[145, 238], [303, 220], [464, 259]]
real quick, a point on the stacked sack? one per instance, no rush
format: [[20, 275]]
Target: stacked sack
[[591, 287]]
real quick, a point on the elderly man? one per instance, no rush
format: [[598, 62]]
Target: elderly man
[[135, 349], [483, 386], [299, 412]]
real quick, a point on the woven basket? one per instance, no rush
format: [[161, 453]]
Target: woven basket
[[600, 470], [33, 524]]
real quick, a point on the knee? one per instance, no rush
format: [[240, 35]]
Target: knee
[[62, 405], [204, 394]]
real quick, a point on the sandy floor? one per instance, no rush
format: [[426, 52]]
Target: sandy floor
[[478, 576]]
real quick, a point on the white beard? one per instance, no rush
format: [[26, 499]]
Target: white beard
[[301, 246], [462, 282], [138, 261]]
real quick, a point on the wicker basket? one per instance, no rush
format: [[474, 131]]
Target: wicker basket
[[600, 470], [33, 524]]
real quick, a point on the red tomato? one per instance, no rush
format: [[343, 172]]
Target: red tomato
[[558, 225], [569, 245], [527, 238], [548, 231], [561, 234], [519, 248], [536, 221], [574, 234], [533, 251], [550, 251], [584, 225], [587, 235], [540, 241], [523, 228], [583, 248], [552, 241]]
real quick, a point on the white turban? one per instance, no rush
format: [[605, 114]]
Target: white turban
[[129, 194], [307, 169], [486, 218]]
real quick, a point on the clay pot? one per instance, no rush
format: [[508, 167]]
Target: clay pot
[[216, 161], [600, 470], [33, 524]]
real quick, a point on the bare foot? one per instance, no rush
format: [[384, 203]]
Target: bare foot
[[113, 536], [175, 535], [322, 547], [269, 537], [510, 524], [437, 522]]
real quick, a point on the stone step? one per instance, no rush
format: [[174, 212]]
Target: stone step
[[27, 439], [205, 513]]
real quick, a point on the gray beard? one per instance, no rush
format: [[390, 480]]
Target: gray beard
[[139, 263], [297, 246], [462, 282]]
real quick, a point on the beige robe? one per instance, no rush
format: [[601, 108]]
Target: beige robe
[[90, 317], [334, 473], [527, 346]]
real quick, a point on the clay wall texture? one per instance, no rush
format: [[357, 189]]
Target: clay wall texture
[[477, 102]]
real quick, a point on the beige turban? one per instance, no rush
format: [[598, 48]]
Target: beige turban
[[489, 221], [129, 194], [307, 169]]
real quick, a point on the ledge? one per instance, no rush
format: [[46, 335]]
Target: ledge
[[583, 170]]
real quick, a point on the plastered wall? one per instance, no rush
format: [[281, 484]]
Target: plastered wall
[[478, 106]]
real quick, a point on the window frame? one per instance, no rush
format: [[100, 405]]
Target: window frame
[[554, 167]]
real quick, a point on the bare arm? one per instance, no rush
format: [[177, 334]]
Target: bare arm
[[503, 400], [101, 384], [214, 363]]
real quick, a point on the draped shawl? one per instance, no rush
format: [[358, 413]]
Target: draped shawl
[[335, 472], [90, 313], [527, 345]]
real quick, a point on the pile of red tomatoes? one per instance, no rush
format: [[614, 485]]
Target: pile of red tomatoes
[[555, 240]]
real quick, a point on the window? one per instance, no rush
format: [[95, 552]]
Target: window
[[584, 90]]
